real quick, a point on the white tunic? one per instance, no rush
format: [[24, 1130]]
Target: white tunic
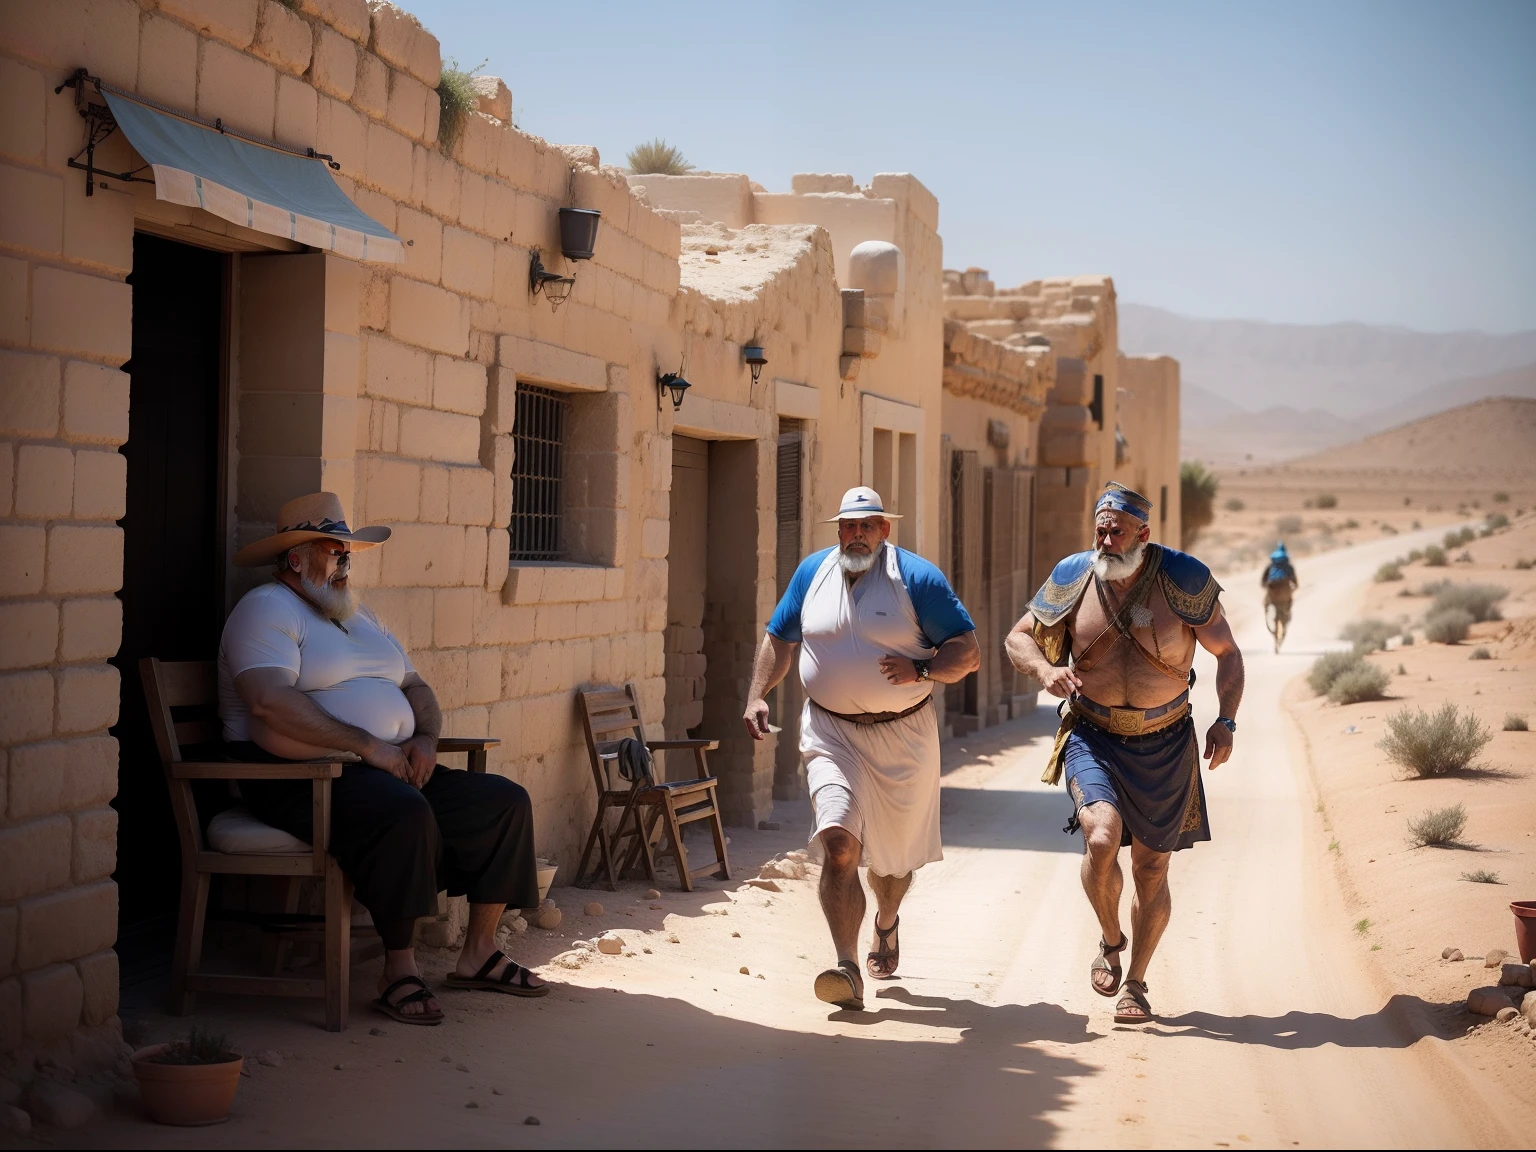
[[892, 769]]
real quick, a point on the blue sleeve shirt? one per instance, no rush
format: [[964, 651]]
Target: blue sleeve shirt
[[940, 614]]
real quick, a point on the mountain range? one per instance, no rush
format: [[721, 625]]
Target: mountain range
[[1258, 391]]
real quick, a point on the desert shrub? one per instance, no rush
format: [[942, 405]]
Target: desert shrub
[[1327, 500], [1457, 538], [455, 101], [1349, 524], [1406, 641], [1197, 491], [1524, 565], [1402, 669], [1416, 526], [1388, 572], [1515, 722], [1448, 626], [1481, 876], [1438, 827], [1360, 683], [1370, 634], [657, 157], [1329, 667], [1464, 558], [1434, 556], [1480, 653], [1433, 587], [1432, 744], [1480, 601], [1416, 555], [1501, 497], [1496, 520], [1234, 505]]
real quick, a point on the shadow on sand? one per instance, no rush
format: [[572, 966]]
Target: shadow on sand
[[1400, 1023]]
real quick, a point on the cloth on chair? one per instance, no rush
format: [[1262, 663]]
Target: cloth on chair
[[237, 831]]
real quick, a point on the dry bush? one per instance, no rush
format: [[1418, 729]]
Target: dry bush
[[657, 157], [1515, 722], [1392, 570], [1434, 744], [1327, 500], [1439, 827], [1481, 601], [1448, 627], [1480, 653], [1481, 876], [1416, 555], [1234, 505], [1457, 538], [1329, 667], [1359, 684], [1434, 556], [1370, 634], [1197, 492], [455, 100]]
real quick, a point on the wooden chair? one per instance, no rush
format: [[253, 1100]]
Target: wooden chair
[[183, 710], [609, 716]]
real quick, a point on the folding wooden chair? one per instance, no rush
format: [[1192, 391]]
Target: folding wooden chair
[[608, 717], [183, 710]]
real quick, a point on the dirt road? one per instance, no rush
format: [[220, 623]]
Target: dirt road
[[1272, 1032]]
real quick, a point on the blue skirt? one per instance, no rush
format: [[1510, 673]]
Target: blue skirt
[[1152, 781]]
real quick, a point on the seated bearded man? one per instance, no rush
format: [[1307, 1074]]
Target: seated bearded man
[[1114, 630], [306, 674]]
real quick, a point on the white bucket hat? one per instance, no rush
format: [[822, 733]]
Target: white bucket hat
[[862, 504]]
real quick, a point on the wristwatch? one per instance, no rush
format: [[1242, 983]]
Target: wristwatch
[[1229, 722], [922, 668]]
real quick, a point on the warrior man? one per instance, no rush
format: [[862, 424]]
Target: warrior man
[[1121, 656]]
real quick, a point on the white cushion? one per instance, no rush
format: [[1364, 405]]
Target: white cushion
[[235, 830]]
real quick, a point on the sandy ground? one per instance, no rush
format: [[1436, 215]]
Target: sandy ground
[[1278, 1025]]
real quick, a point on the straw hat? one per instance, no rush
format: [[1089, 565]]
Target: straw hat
[[318, 516], [861, 504]]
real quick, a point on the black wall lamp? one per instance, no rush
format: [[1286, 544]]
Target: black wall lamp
[[674, 383], [753, 354], [554, 286]]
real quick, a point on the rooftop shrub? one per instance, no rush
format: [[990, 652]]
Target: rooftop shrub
[[657, 157]]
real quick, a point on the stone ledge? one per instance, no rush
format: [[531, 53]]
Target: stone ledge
[[548, 364], [533, 583]]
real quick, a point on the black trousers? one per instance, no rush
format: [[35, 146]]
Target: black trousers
[[468, 832]]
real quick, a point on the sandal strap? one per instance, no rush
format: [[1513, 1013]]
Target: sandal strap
[[403, 982], [1105, 949], [494, 959], [421, 996], [515, 973], [885, 932]]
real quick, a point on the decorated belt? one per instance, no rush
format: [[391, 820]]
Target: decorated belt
[[1133, 721], [875, 717]]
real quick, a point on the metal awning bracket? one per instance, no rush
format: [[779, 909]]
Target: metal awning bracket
[[99, 124]]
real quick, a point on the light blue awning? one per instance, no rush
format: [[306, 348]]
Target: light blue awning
[[279, 193]]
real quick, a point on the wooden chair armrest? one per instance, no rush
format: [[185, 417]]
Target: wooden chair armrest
[[240, 770], [466, 743], [663, 745]]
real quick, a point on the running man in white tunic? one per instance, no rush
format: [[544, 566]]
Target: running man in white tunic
[[877, 627]]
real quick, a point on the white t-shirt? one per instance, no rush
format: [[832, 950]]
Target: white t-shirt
[[353, 675]]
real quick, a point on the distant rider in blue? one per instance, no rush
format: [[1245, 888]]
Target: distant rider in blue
[[1113, 631], [1279, 583]]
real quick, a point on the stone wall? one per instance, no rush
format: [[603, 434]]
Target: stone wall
[[1149, 420]]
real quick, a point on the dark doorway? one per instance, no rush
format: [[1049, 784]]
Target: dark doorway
[[172, 592]]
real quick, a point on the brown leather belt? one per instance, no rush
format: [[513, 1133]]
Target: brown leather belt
[[1132, 721], [875, 717]]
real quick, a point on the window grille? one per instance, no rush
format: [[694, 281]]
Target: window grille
[[538, 473]]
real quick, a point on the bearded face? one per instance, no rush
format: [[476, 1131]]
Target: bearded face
[[857, 542], [1120, 545], [323, 571]]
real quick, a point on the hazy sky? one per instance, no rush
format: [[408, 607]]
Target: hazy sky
[[1306, 162]]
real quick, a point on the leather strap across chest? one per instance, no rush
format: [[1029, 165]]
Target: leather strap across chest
[[1120, 625]]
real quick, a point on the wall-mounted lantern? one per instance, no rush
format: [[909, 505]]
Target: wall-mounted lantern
[[578, 232], [554, 286], [674, 383], [753, 354]]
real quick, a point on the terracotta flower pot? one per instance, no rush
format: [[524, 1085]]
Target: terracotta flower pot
[[186, 1094], [1525, 929]]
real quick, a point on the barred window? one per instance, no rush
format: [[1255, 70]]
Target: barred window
[[538, 474]]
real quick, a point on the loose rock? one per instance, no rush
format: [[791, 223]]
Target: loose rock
[[54, 1103], [271, 1057], [1494, 957], [1528, 1008], [593, 909], [495, 1091], [339, 1067], [471, 1104], [446, 1059], [549, 919], [737, 935], [1506, 1014], [655, 907], [768, 825], [765, 885], [788, 868], [652, 894], [462, 1067], [377, 1032], [531, 1120], [744, 971], [1516, 976], [673, 940], [1451, 954], [610, 944], [1487, 1001]]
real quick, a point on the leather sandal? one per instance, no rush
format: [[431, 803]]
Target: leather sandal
[[1101, 964], [515, 980], [1133, 1007], [840, 986], [881, 963], [426, 1018]]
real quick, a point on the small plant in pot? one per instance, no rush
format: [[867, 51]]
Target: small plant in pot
[[190, 1081]]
